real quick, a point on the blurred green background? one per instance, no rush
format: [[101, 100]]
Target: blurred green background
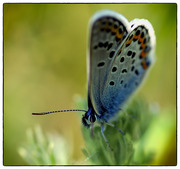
[[45, 49]]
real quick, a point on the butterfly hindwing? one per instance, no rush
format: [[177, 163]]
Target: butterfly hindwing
[[132, 60]]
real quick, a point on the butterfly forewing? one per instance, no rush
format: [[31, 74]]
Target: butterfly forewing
[[108, 30]]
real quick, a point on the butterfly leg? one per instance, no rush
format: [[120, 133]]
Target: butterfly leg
[[112, 125], [102, 131]]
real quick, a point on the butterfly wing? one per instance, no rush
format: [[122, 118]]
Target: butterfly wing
[[107, 31], [132, 60]]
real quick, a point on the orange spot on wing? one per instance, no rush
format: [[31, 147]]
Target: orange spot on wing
[[143, 45], [129, 41], [144, 65], [141, 40], [118, 35], [136, 37], [113, 29], [143, 54]]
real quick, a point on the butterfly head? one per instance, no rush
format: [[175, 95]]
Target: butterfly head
[[89, 118]]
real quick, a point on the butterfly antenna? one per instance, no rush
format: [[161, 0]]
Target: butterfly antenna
[[57, 111]]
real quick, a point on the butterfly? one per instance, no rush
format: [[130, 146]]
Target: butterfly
[[120, 54]]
